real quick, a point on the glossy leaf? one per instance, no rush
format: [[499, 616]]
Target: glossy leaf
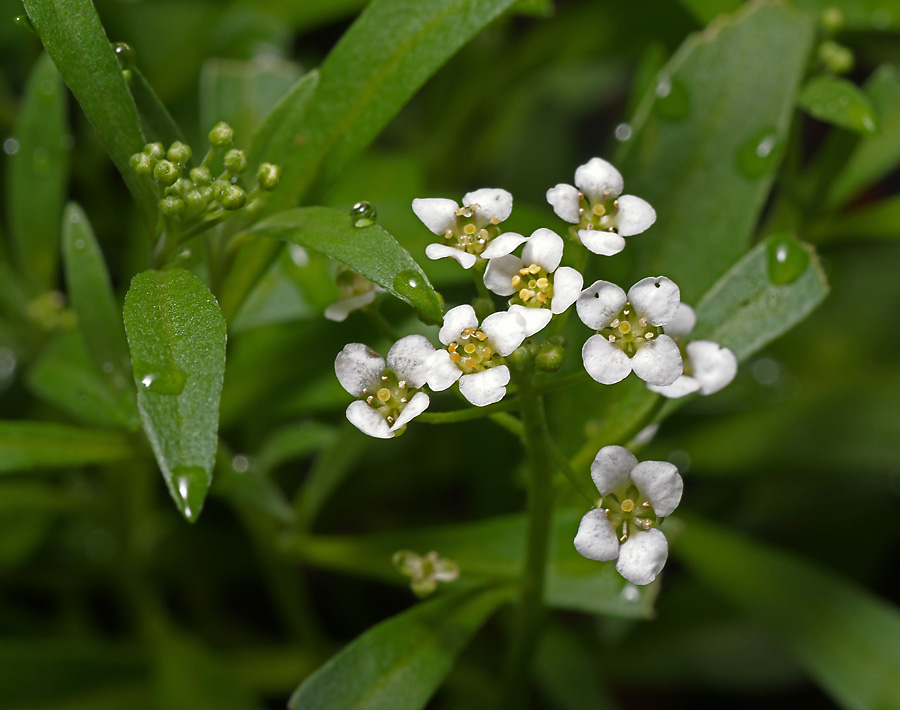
[[369, 250], [774, 287], [156, 121], [400, 663], [708, 141], [99, 319], [176, 334], [26, 446], [38, 172], [848, 640], [75, 40], [840, 102]]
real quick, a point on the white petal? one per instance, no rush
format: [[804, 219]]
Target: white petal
[[485, 387], [436, 213], [603, 361], [658, 362], [601, 242], [492, 202], [567, 285], [357, 367], [499, 273], [442, 371], [597, 176], [611, 468], [642, 556], [418, 404], [657, 299], [596, 538], [712, 365], [409, 358], [681, 387], [600, 303], [661, 483], [505, 330], [503, 244], [439, 251], [536, 319], [566, 202], [683, 321], [634, 216], [368, 421], [456, 320], [340, 309], [544, 248]]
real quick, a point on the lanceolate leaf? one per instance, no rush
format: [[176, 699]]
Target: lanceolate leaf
[[369, 250], [25, 446], [400, 663], [176, 333], [847, 640], [838, 101]]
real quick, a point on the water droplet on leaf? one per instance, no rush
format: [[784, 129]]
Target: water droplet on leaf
[[759, 154], [672, 99], [363, 214], [25, 22], [10, 146], [190, 485], [409, 284], [787, 259], [79, 244], [166, 380], [623, 132], [125, 54]]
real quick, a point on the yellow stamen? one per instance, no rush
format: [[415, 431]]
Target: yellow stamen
[[542, 297], [543, 282], [486, 352], [480, 335], [516, 280], [525, 294], [454, 357], [534, 269], [471, 363], [495, 220]]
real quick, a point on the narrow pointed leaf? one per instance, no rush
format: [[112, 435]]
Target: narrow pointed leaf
[[840, 102], [400, 663], [38, 172], [848, 640], [26, 446], [156, 121], [369, 250], [176, 334]]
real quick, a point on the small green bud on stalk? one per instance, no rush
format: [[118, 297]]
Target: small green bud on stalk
[[268, 176], [155, 151], [179, 153], [165, 173], [142, 164], [201, 176], [235, 161], [221, 135], [550, 357], [171, 206], [233, 198]]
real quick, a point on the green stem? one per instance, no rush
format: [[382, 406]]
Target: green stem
[[540, 511], [380, 322], [579, 483], [462, 415], [557, 383]]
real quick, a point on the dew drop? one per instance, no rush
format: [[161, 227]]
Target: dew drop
[[79, 244], [623, 132], [299, 255], [787, 259], [10, 146], [407, 283], [759, 154], [25, 22], [165, 380], [240, 463], [363, 214], [125, 54], [190, 484], [672, 99]]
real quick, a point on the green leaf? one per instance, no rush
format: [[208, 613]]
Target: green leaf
[[369, 250], [709, 138], [774, 287], [864, 15], [38, 172], [156, 121], [99, 320], [848, 640], [400, 663], [26, 446], [705, 11], [75, 40], [840, 102], [877, 155], [176, 334]]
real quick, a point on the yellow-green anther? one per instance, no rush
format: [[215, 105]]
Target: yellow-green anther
[[221, 135], [179, 153], [235, 161], [165, 173], [268, 176]]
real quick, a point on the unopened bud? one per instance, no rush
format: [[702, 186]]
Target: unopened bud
[[268, 176], [550, 357], [233, 198], [142, 164], [836, 58], [165, 173], [201, 176], [171, 206], [179, 153], [235, 161], [155, 151], [195, 201], [221, 135]]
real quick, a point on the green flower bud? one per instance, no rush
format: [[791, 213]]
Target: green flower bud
[[219, 188], [233, 198], [221, 135], [521, 356], [171, 206], [550, 357], [142, 164], [195, 201], [268, 176], [155, 151], [235, 161], [179, 153], [181, 187], [832, 19], [836, 58], [201, 176], [165, 173]]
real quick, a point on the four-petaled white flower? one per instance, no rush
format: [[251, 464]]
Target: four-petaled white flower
[[630, 335], [708, 366], [388, 391], [475, 356], [466, 230], [635, 499], [603, 215], [539, 285]]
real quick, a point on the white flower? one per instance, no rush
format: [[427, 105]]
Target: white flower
[[635, 497], [603, 215], [466, 230], [425, 572], [708, 366], [475, 356], [356, 291], [540, 286], [388, 392], [630, 334]]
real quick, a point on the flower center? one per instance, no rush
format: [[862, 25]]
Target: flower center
[[534, 287], [472, 352], [389, 396], [629, 510], [601, 214], [629, 331], [473, 232]]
